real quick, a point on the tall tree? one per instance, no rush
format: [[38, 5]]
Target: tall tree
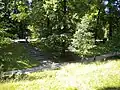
[[56, 22], [14, 17]]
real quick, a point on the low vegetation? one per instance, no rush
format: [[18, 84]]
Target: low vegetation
[[74, 76], [15, 56]]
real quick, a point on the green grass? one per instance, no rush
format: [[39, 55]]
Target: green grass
[[74, 76], [15, 56]]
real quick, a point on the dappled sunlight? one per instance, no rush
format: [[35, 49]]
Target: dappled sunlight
[[16, 57], [59, 44], [74, 76], [80, 75]]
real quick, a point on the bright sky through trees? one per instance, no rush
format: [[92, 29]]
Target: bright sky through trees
[[30, 1], [115, 4], [105, 2]]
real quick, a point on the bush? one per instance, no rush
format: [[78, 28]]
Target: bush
[[83, 38], [4, 41]]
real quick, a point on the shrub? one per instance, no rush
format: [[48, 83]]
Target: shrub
[[82, 40]]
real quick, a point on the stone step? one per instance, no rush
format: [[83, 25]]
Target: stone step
[[35, 53], [40, 58]]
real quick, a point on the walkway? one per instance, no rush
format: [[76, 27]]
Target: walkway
[[24, 40]]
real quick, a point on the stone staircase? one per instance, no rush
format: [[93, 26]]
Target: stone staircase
[[37, 54]]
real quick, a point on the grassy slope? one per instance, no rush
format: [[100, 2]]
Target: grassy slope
[[16, 57], [75, 76]]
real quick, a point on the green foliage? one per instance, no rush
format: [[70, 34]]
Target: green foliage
[[52, 25], [13, 18], [83, 37], [55, 21], [22, 11], [58, 40], [114, 42], [14, 56], [5, 41]]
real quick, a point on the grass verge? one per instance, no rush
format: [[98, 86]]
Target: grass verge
[[74, 76]]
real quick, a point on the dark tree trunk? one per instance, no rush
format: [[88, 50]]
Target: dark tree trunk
[[48, 22], [95, 35], [110, 29], [65, 7], [98, 18], [64, 29]]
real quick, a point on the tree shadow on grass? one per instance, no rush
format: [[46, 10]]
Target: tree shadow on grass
[[14, 57], [110, 88], [73, 58]]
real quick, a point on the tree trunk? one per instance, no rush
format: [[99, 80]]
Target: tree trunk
[[64, 26], [110, 29]]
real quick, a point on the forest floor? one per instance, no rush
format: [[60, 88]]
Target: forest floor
[[97, 75]]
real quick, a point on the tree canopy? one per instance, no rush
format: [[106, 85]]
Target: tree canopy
[[62, 25]]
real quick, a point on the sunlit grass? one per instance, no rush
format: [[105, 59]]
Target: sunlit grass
[[74, 76], [92, 76]]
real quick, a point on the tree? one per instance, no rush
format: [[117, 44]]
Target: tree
[[56, 22], [14, 17], [83, 39], [20, 16]]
